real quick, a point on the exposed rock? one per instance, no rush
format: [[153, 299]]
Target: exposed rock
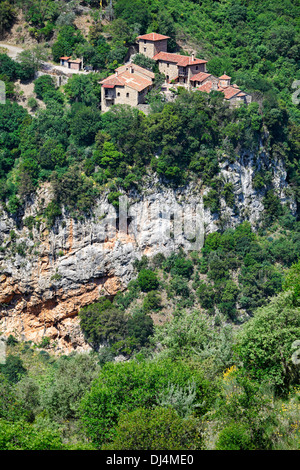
[[73, 263]]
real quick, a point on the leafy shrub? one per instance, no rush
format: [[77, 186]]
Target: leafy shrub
[[147, 280], [264, 344], [140, 327], [152, 301], [13, 368], [102, 322], [157, 429], [43, 84], [130, 385], [182, 267], [234, 437]]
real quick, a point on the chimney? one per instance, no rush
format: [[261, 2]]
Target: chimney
[[131, 70], [116, 73], [193, 57]]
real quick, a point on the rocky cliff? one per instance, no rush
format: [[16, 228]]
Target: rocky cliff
[[48, 274]]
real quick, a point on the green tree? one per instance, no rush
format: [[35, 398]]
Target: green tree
[[67, 40], [292, 282], [102, 322], [264, 344], [32, 59], [73, 376], [147, 280], [42, 85], [24, 436], [157, 429], [13, 368], [140, 327], [7, 16], [130, 385]]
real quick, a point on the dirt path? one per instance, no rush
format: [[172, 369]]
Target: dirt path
[[11, 51]]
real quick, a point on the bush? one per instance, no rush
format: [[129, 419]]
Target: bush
[[140, 327], [157, 429], [152, 301], [129, 385], [13, 368], [182, 267], [43, 85], [265, 343], [234, 437], [147, 280], [102, 322]]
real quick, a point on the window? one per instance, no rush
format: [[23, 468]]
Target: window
[[145, 41], [168, 64], [145, 49], [127, 95], [118, 94], [196, 67]]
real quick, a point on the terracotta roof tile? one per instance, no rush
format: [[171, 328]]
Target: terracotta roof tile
[[146, 72], [153, 37], [200, 77], [206, 87], [230, 91], [225, 77], [111, 81], [181, 60], [134, 81]]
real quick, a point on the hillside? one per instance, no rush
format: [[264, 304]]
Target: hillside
[[149, 255]]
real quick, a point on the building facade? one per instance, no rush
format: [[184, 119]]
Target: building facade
[[74, 64], [128, 85], [151, 44]]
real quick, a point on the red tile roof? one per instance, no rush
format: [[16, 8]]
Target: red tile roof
[[146, 72], [200, 77], [206, 87], [181, 60], [229, 92], [153, 37], [126, 78], [225, 77], [65, 58], [111, 82]]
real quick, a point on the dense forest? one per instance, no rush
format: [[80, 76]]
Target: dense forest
[[202, 349]]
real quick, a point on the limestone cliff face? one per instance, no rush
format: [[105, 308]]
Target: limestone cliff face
[[47, 275]]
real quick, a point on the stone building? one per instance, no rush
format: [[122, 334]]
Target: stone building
[[74, 64], [128, 85], [179, 68], [151, 44], [131, 83], [232, 93]]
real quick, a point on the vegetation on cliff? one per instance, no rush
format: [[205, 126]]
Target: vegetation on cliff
[[207, 341], [257, 43], [220, 360]]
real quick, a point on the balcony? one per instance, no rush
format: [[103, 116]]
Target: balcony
[[110, 97], [182, 72]]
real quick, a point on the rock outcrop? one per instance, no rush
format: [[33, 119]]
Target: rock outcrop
[[48, 274]]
